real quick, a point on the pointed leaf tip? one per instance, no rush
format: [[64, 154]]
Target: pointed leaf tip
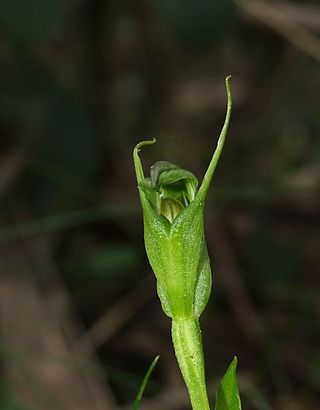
[[144, 383], [227, 397]]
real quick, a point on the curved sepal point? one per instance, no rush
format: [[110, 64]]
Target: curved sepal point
[[136, 158], [216, 155]]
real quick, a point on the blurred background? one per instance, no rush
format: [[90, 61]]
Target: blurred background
[[81, 82]]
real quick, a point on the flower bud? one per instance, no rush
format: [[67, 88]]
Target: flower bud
[[173, 214]]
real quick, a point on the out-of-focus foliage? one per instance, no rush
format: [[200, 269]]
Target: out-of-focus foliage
[[192, 23], [31, 22]]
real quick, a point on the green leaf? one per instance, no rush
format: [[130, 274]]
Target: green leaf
[[145, 380], [227, 397]]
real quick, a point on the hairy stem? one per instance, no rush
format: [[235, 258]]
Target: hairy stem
[[186, 336]]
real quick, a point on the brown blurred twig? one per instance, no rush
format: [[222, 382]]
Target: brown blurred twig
[[108, 324], [12, 167], [234, 286], [275, 16], [38, 329], [307, 15], [243, 307]]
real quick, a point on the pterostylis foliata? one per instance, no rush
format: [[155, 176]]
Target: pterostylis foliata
[[173, 205]]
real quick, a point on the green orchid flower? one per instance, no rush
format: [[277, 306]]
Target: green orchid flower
[[173, 214]]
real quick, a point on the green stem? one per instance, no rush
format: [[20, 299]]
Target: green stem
[[186, 336]]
